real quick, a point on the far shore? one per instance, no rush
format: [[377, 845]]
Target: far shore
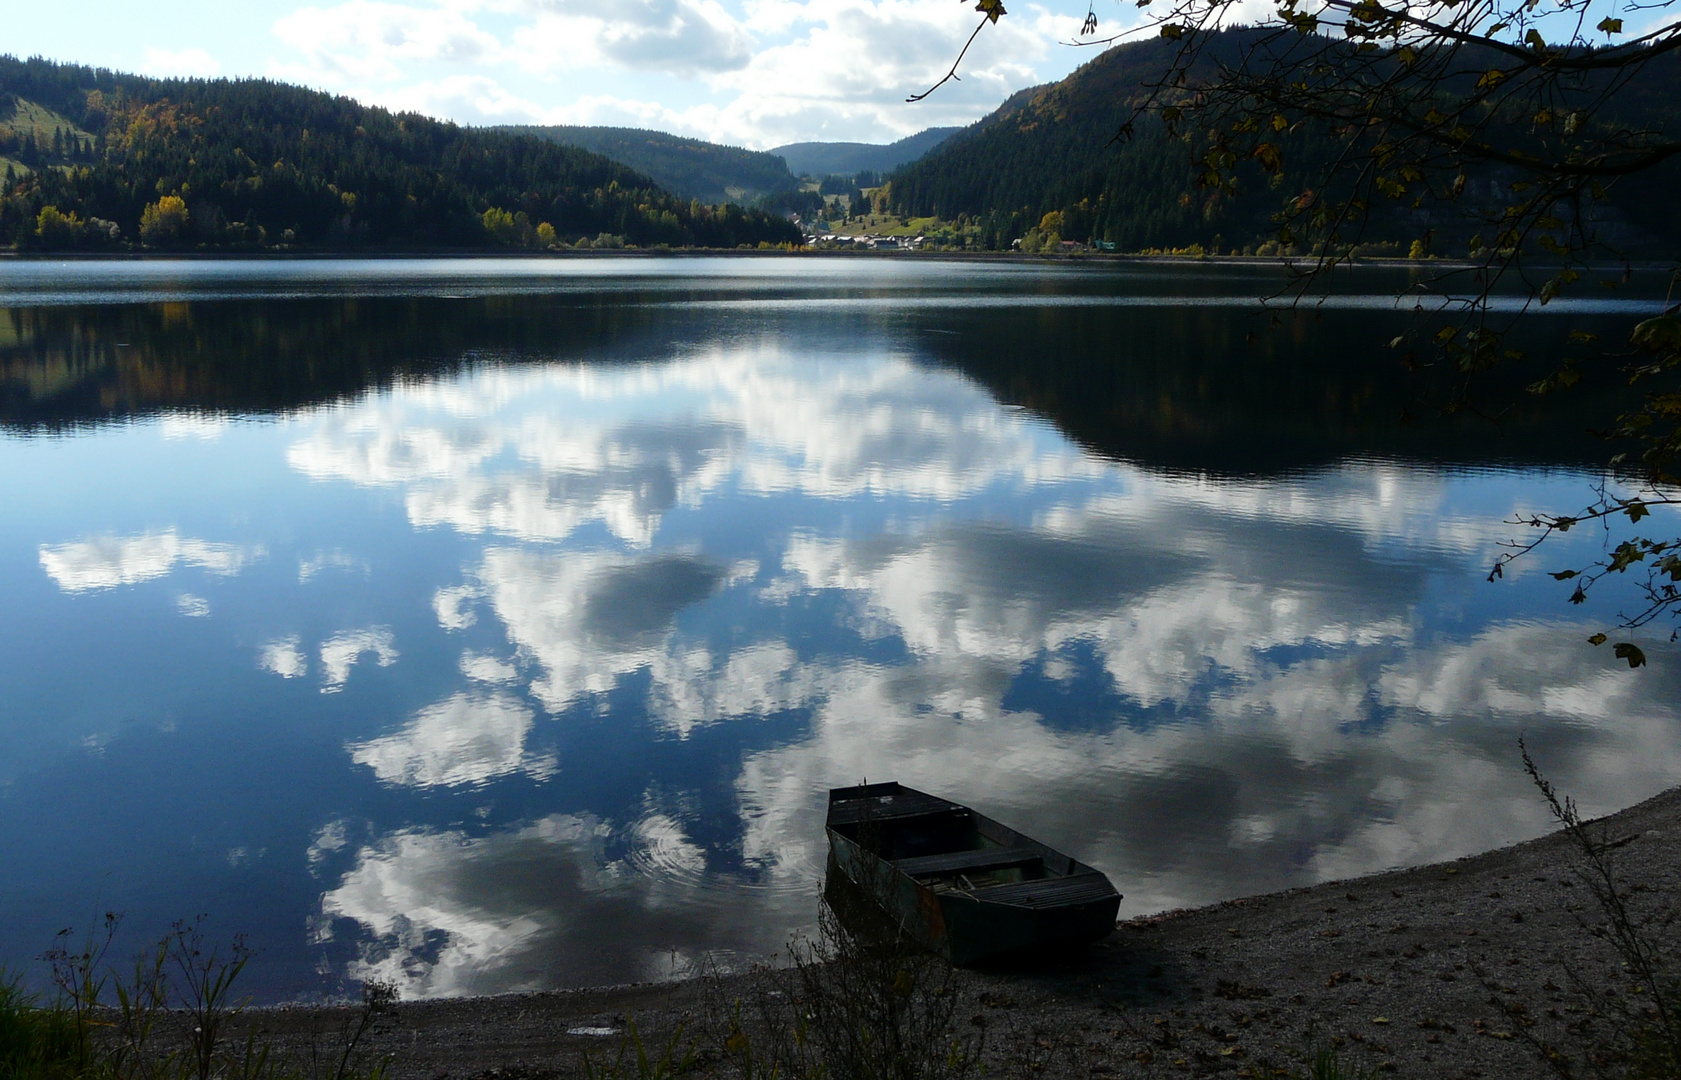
[[1299, 262], [1416, 972]]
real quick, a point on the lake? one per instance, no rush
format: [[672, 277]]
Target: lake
[[501, 625]]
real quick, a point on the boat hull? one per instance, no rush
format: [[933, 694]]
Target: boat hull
[[969, 927]]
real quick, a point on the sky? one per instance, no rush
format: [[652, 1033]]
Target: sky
[[755, 73]]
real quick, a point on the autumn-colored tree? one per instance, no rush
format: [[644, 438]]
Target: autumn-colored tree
[[164, 222], [55, 229], [500, 226]]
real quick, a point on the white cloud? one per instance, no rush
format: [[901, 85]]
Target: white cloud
[[340, 653], [586, 618], [283, 657], [481, 667], [369, 40], [477, 99], [850, 64], [329, 560], [466, 739], [682, 37], [105, 562], [446, 913], [747, 72], [490, 459], [185, 425], [187, 63], [453, 606], [193, 607]]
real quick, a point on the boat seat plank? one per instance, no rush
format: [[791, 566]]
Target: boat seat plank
[[1050, 892], [902, 805], [955, 862]]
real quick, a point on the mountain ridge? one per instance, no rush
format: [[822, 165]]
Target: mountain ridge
[[1050, 160], [688, 168], [851, 158], [254, 164]]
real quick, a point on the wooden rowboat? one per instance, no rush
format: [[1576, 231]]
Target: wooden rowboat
[[958, 882]]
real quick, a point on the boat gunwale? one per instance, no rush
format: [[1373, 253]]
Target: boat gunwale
[[1075, 868]]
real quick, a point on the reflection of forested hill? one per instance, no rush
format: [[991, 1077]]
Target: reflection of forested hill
[[255, 164], [72, 365], [1186, 388], [1177, 387]]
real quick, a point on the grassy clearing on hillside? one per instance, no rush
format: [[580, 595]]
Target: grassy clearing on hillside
[[28, 117]]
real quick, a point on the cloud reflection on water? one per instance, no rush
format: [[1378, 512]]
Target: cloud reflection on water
[[106, 562], [447, 913], [466, 739], [1204, 688]]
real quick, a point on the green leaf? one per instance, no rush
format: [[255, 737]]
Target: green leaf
[[1597, 639], [1610, 26], [1564, 575], [1173, 32], [1533, 40], [1629, 651], [1636, 510], [992, 9], [1658, 334], [1624, 556]]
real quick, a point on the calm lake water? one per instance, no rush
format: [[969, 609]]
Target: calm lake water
[[502, 625]]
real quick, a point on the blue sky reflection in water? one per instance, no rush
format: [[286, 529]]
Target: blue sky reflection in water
[[524, 657]]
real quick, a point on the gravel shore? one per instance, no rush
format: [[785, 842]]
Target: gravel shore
[[1410, 973]]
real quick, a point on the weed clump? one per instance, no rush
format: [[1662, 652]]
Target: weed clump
[[861, 1001], [167, 1016], [1634, 1035]]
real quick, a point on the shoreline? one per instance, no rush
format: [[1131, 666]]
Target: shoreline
[[1294, 262], [1411, 972]]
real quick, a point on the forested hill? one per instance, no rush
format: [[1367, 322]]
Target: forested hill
[[1052, 150], [852, 158], [95, 159], [688, 168]]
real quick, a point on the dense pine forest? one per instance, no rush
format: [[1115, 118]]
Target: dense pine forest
[[1050, 162], [97, 160], [852, 158], [689, 168]]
